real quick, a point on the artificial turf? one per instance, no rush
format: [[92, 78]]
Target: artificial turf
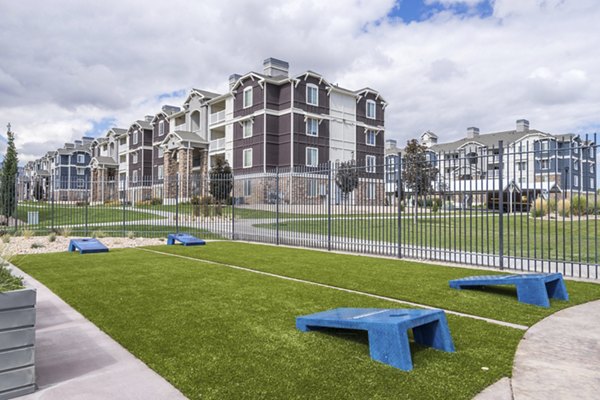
[[215, 332], [399, 279]]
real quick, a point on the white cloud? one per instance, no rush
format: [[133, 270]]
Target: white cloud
[[65, 64]]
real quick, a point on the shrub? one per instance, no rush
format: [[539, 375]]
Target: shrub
[[435, 207], [66, 231], [7, 280], [539, 208], [81, 203], [563, 208], [36, 245], [98, 234], [52, 237], [112, 203], [584, 205], [156, 201], [131, 235], [6, 238], [28, 233]]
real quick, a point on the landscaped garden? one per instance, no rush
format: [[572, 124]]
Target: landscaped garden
[[219, 332]]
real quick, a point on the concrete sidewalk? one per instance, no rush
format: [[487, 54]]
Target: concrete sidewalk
[[75, 360], [558, 358]]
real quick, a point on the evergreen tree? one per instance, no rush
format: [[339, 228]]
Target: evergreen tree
[[8, 179], [346, 178], [221, 180], [418, 174]]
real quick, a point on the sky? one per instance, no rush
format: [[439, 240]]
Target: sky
[[73, 68]]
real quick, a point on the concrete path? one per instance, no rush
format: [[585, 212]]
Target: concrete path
[[76, 360], [558, 358]]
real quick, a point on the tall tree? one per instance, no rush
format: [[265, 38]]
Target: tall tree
[[418, 173], [8, 178], [221, 180], [346, 178]]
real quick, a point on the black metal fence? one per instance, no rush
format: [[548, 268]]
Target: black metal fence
[[527, 206]]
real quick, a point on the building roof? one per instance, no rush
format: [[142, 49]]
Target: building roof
[[487, 139], [102, 160]]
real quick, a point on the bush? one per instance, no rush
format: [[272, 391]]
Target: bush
[[66, 232], [563, 208], [52, 237], [583, 205], [36, 245], [131, 235], [28, 233], [435, 207], [539, 208], [98, 234], [82, 203], [6, 238], [112, 203], [156, 201], [7, 280]]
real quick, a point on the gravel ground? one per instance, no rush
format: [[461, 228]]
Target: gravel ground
[[41, 244]]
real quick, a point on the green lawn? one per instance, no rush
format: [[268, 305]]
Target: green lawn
[[569, 240], [60, 214], [216, 332]]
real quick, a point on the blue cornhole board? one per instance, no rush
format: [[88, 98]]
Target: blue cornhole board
[[387, 329], [536, 289], [87, 246], [185, 238]]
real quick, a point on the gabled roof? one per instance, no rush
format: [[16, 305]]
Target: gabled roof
[[101, 160], [366, 90], [487, 139], [205, 94], [142, 124], [183, 136]]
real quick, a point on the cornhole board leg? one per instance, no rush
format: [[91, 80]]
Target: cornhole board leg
[[533, 292], [435, 334], [170, 240], [557, 290], [389, 345], [71, 247]]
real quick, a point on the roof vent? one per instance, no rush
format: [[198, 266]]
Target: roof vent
[[522, 125], [149, 118], [274, 67], [233, 79], [472, 132]]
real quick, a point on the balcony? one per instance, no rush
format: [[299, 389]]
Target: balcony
[[217, 145], [217, 117]]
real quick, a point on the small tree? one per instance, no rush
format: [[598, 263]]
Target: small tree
[[8, 178], [346, 179], [38, 190], [418, 174], [221, 181]]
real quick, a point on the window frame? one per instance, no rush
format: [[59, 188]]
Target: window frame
[[244, 152], [371, 191], [575, 180], [309, 119], [367, 134], [542, 164], [247, 187], [134, 176], [160, 171], [374, 104], [245, 124], [312, 188], [247, 90], [161, 127], [80, 158], [134, 158], [135, 136], [316, 160], [370, 168], [309, 88]]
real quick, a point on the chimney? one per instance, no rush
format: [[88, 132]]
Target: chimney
[[78, 142], [275, 67], [69, 145], [472, 132], [522, 125], [87, 139], [390, 144], [233, 79], [149, 118]]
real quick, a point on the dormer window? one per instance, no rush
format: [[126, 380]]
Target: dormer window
[[248, 97], [161, 128], [370, 109], [312, 94]]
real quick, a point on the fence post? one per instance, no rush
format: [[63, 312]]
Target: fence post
[[329, 205], [399, 203], [233, 207], [124, 181], [52, 203], [177, 203], [501, 204], [277, 203], [87, 198]]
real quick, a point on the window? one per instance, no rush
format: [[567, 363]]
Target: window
[[370, 137], [576, 166], [80, 171], [522, 166], [312, 157], [370, 164], [161, 128], [80, 158], [135, 136], [247, 155], [312, 127], [544, 145], [160, 151], [575, 180], [248, 97], [312, 188], [123, 141], [134, 158], [312, 95], [591, 168], [160, 171], [80, 183], [544, 164], [371, 189], [592, 152], [370, 109], [122, 158], [591, 183], [135, 176], [247, 129], [247, 187]]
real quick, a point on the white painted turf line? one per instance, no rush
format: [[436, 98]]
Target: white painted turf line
[[491, 321]]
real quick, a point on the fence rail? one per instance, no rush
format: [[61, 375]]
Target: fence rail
[[527, 208]]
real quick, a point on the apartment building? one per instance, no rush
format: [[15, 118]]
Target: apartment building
[[522, 163]]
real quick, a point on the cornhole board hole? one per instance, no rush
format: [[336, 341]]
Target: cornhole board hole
[[536, 289], [387, 330], [185, 238], [87, 246]]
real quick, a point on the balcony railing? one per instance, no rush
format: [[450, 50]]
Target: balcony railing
[[218, 144], [217, 117]]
